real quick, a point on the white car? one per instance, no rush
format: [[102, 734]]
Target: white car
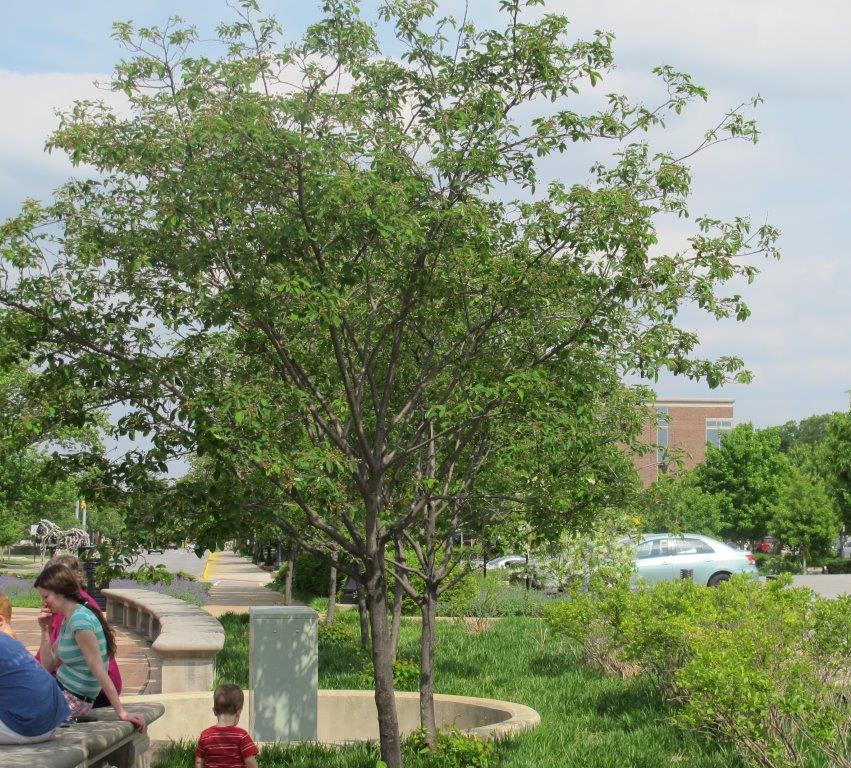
[[506, 561]]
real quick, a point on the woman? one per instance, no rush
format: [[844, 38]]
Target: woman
[[85, 644], [112, 670]]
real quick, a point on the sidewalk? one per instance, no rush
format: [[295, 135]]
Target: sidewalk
[[237, 584]]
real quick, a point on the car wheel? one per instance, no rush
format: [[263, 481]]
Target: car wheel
[[717, 578]]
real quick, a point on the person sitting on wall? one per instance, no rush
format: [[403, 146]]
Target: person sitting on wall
[[31, 705], [72, 563], [86, 643]]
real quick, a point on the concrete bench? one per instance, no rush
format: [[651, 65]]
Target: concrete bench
[[185, 638], [109, 741]]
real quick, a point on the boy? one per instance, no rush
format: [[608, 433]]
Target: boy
[[224, 745]]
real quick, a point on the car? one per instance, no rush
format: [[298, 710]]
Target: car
[[506, 561], [668, 557], [767, 545]]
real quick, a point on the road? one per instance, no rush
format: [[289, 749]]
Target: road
[[826, 585], [176, 560]]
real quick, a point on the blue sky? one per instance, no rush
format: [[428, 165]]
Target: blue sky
[[798, 340]]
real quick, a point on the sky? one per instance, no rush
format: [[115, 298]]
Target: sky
[[797, 341]]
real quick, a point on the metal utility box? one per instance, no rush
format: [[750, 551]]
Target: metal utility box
[[283, 673]]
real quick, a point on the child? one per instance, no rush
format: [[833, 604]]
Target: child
[[6, 615], [224, 745]]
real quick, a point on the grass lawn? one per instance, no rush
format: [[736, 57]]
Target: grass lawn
[[587, 721]]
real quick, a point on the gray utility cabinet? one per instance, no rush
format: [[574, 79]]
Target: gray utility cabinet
[[283, 673]]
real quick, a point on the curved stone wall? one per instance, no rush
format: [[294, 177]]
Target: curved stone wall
[[348, 716]]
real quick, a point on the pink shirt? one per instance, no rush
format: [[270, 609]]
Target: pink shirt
[[58, 618]]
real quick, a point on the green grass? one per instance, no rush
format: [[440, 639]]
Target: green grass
[[587, 720], [27, 600]]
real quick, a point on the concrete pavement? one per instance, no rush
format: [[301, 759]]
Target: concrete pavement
[[826, 585], [237, 584]]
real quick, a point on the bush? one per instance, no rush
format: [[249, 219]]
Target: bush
[[311, 576], [838, 565], [406, 675], [340, 633], [764, 667], [453, 750]]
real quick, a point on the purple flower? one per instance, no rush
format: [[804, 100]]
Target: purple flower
[[191, 591], [15, 586]]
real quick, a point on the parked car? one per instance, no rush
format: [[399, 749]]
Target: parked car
[[767, 545], [667, 557], [506, 561]]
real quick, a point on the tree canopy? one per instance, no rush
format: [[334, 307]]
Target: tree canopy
[[340, 273]]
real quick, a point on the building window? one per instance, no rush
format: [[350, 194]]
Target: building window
[[662, 437], [715, 428]]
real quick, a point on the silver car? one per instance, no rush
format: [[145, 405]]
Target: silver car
[[667, 557], [506, 561]]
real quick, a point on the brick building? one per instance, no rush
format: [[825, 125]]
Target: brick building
[[683, 427]]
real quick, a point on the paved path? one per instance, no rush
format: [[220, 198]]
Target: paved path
[[140, 670], [237, 584], [826, 585], [178, 559]]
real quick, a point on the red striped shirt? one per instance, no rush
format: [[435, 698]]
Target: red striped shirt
[[225, 746]]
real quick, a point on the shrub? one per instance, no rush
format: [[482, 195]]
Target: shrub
[[311, 576], [593, 621], [459, 598], [338, 633], [453, 750], [406, 674], [763, 666], [838, 565]]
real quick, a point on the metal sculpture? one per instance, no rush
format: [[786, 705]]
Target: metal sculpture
[[50, 537]]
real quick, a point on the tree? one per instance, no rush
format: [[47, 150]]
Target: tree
[[677, 503], [805, 519], [835, 463], [745, 473], [810, 431], [35, 439], [336, 271]]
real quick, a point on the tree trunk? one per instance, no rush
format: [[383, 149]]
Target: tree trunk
[[398, 595], [382, 661], [288, 580], [428, 609], [332, 593], [363, 615], [803, 561]]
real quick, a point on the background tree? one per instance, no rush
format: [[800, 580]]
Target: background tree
[[349, 290], [677, 503], [805, 519], [745, 473], [835, 462], [808, 432]]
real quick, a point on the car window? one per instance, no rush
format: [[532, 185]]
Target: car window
[[651, 548], [690, 547]]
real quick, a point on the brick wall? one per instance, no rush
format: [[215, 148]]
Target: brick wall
[[686, 433]]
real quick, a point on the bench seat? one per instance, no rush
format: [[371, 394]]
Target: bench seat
[[109, 741]]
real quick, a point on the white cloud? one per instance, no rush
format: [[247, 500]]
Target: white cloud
[[805, 44]]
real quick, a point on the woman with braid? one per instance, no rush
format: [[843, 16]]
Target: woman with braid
[[85, 645], [112, 670]]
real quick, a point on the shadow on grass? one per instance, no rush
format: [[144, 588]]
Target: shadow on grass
[[552, 664]]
